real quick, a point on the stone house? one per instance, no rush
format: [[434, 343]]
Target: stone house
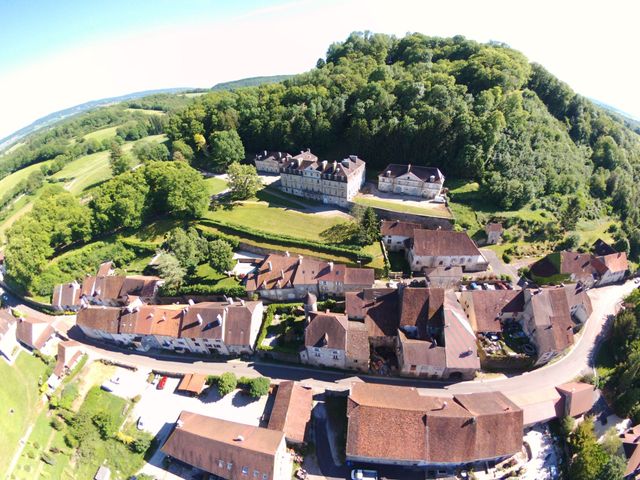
[[327, 182], [396, 233], [425, 182], [291, 412], [612, 268], [270, 162], [444, 248], [488, 310], [229, 450], [330, 340], [392, 425], [494, 232], [8, 327], [283, 277], [225, 328], [66, 297]]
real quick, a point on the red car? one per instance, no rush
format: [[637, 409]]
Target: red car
[[162, 383]]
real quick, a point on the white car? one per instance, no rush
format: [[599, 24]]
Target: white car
[[140, 424], [364, 475]]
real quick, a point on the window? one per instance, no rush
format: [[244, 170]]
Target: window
[[335, 357], [265, 476], [413, 368], [256, 474], [229, 466], [245, 470], [317, 355], [220, 464]]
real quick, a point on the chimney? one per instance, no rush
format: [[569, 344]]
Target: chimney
[[408, 168], [179, 424], [242, 302], [269, 266], [282, 274], [191, 302], [264, 153], [199, 318], [300, 257], [432, 178], [335, 165], [239, 438], [345, 162], [324, 165], [308, 150], [388, 173], [287, 254], [331, 266], [219, 319]]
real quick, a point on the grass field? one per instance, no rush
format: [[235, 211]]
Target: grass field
[[262, 216], [90, 170], [427, 209], [215, 185], [19, 393], [20, 208], [7, 183], [109, 132], [147, 111]]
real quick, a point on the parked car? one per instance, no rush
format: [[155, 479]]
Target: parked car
[[140, 424], [161, 383], [106, 387], [364, 475]]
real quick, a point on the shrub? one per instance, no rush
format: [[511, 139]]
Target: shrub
[[150, 377], [211, 379], [36, 445], [57, 424], [227, 383], [31, 454], [141, 444], [259, 387], [48, 459], [506, 258], [229, 290], [71, 441], [136, 399]]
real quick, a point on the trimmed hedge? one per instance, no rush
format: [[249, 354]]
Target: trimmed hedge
[[139, 246], [198, 289], [269, 313], [354, 253]]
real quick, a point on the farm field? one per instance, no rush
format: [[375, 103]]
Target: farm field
[[89, 170], [109, 132], [19, 397], [10, 181]]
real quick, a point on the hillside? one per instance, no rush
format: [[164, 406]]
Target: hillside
[[249, 82]]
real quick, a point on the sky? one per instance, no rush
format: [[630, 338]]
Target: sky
[[55, 54]]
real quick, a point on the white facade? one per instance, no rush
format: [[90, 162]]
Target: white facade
[[469, 263], [324, 357], [394, 243], [410, 184]]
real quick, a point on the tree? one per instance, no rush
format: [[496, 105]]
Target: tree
[[226, 147], [227, 383], [571, 213], [106, 424], [146, 151], [120, 164], [220, 255], [259, 387], [187, 246], [171, 271], [244, 181], [141, 443], [368, 225], [181, 147], [614, 468], [590, 457], [176, 189], [120, 202]]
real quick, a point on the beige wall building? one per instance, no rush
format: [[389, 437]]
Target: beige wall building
[[425, 182]]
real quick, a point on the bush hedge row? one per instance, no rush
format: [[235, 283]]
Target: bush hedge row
[[230, 239], [355, 253], [199, 289], [269, 313]]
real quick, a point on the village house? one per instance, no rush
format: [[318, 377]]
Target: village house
[[224, 328], [69, 354], [565, 267], [327, 182], [8, 327], [396, 233], [494, 232], [291, 412], [330, 340], [444, 248], [66, 297], [34, 331], [546, 319], [631, 449], [443, 277], [229, 450], [577, 399], [270, 162], [488, 310], [283, 277], [398, 426], [425, 182]]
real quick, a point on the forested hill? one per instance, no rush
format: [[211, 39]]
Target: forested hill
[[477, 111]]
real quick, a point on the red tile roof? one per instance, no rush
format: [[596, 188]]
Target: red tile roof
[[578, 397], [291, 411], [34, 332], [378, 307], [204, 441], [398, 228], [442, 243], [485, 307], [192, 383], [327, 330], [397, 423]]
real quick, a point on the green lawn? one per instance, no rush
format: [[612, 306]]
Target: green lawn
[[20, 393], [261, 216], [20, 208], [205, 275], [103, 133], [215, 185], [147, 111], [427, 209]]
